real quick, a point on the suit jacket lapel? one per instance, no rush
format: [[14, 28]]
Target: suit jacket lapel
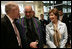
[[9, 25]]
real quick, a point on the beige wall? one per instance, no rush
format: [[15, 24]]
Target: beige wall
[[38, 7]]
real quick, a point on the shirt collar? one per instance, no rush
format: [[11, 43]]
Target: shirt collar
[[59, 24], [11, 20]]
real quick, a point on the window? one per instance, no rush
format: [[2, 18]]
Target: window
[[69, 2], [21, 7], [64, 10], [69, 9], [45, 9], [3, 9], [52, 7], [45, 16], [48, 9], [51, 2], [65, 2], [55, 2], [45, 1]]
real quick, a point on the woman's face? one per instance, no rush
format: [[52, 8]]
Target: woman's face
[[52, 17]]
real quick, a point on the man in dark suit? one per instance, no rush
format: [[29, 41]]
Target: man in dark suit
[[43, 25], [67, 20], [31, 30], [10, 30]]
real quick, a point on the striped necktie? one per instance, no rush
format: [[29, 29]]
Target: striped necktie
[[17, 34]]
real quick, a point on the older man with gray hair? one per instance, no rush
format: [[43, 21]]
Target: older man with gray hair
[[10, 30], [31, 30]]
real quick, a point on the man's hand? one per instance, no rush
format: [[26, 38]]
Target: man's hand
[[33, 44]]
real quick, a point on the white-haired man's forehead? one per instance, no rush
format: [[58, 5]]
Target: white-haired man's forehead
[[28, 7]]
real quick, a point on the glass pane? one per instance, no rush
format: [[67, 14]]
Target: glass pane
[[45, 9], [45, 16], [65, 2], [3, 9], [45, 1], [51, 1], [21, 8], [55, 2], [64, 10], [69, 2], [52, 7], [33, 8], [48, 1], [48, 9], [69, 9]]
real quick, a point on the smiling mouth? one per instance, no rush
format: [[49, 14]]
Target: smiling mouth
[[52, 18]]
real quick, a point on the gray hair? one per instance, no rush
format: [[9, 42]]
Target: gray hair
[[9, 6]]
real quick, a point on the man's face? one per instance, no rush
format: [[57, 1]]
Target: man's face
[[28, 13], [42, 16], [15, 12], [60, 13]]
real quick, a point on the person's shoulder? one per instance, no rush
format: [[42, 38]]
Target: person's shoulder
[[20, 19], [62, 23], [49, 25], [36, 20], [45, 20], [3, 19], [36, 17]]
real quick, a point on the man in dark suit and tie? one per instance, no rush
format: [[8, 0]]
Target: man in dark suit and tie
[[10, 31], [43, 25]]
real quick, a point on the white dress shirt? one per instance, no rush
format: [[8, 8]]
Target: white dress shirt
[[50, 32]]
